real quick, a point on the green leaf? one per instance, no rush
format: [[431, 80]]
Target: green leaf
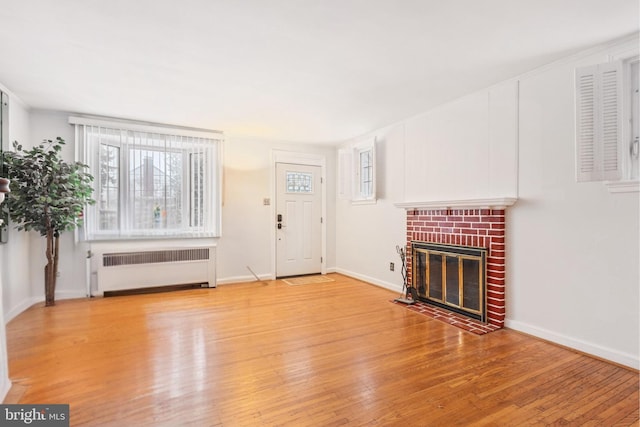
[[47, 193]]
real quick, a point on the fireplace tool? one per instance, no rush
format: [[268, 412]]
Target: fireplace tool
[[410, 295]]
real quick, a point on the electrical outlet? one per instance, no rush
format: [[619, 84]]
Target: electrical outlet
[[392, 266]]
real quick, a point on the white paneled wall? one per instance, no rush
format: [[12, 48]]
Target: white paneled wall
[[464, 149], [503, 140]]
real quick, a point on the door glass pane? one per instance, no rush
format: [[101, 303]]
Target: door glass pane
[[299, 182]]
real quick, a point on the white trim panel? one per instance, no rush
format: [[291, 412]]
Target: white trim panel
[[371, 280], [500, 202], [146, 127], [586, 347]]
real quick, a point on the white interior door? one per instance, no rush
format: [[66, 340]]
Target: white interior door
[[298, 220]]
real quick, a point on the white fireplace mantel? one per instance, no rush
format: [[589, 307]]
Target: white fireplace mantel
[[491, 203]]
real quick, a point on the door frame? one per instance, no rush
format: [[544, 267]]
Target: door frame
[[307, 159]]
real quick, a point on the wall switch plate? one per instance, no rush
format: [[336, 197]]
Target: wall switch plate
[[392, 266], [266, 201]]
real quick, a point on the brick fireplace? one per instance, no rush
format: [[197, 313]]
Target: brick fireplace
[[482, 228]]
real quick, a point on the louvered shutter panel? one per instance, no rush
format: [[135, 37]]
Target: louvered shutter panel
[[345, 173], [611, 119], [598, 122], [585, 125]]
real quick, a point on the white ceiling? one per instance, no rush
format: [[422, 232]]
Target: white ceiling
[[296, 70]]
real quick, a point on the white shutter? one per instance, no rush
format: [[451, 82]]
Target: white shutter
[[345, 172], [598, 122], [585, 123], [611, 119]]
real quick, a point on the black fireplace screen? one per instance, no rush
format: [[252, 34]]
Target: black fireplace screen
[[451, 277]]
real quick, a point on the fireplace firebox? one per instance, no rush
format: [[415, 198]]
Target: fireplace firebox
[[451, 277]]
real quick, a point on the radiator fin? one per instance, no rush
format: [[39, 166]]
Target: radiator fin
[[153, 257]]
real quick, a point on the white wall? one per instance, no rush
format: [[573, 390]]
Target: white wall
[[367, 234], [247, 224], [572, 249], [15, 254], [15, 284]]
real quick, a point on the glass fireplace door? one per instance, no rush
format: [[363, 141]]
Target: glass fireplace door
[[451, 280]]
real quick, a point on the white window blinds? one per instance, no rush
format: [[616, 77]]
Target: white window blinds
[[149, 182]]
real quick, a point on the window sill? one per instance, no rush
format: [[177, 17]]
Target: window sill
[[143, 238], [364, 202], [623, 186]]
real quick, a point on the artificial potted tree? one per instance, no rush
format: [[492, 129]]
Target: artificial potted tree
[[48, 196]]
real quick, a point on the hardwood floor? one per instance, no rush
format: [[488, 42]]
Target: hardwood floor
[[336, 353]]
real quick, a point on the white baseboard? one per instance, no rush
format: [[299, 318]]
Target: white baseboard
[[5, 386], [28, 302], [241, 279], [381, 283], [20, 307], [250, 278], [586, 347]]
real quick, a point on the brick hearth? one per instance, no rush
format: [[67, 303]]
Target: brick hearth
[[483, 228], [451, 318]]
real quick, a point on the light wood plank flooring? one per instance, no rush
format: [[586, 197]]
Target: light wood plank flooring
[[336, 353]]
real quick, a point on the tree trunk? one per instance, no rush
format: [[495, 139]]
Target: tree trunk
[[49, 272]]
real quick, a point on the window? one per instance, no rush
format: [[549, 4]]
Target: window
[[365, 172], [607, 122], [149, 182], [633, 119], [357, 172]]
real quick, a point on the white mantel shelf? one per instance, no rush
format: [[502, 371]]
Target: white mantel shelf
[[493, 203]]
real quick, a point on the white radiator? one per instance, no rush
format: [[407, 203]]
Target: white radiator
[[118, 271]]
